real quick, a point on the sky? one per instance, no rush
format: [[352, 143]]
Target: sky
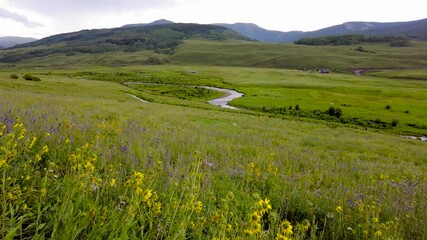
[[42, 18]]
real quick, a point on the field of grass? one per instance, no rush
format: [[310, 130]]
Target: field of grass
[[338, 58], [81, 159]]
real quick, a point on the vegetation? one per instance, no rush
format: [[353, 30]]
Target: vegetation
[[30, 77], [134, 170], [14, 76], [161, 38], [305, 156], [353, 39]]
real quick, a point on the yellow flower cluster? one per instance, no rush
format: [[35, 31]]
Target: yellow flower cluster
[[262, 208]]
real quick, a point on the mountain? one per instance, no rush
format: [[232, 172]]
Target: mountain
[[162, 38], [157, 22], [6, 42], [413, 29], [253, 31]]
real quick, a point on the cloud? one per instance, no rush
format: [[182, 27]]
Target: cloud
[[18, 18], [77, 7]]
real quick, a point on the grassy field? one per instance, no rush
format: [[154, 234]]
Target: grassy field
[[338, 58], [82, 159]]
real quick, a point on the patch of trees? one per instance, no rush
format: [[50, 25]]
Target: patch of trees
[[125, 41], [350, 40]]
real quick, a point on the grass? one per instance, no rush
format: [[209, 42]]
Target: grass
[[80, 158], [338, 58], [74, 152]]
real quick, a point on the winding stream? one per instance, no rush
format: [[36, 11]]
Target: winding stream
[[221, 101]]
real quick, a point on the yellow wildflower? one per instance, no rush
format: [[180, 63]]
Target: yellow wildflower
[[89, 166], [375, 220], [45, 149], [264, 205], [198, 206], [2, 162], [138, 190], [255, 217], [112, 182], [338, 209], [148, 195], [229, 228], [33, 141], [281, 237], [286, 227], [378, 233]]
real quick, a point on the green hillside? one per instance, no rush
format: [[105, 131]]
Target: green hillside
[[339, 58], [160, 38]]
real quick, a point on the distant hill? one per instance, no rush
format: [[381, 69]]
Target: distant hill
[[413, 29], [162, 38], [6, 42], [253, 31], [157, 22]]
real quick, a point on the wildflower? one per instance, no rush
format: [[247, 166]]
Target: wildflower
[[198, 207], [138, 190], [67, 141], [305, 224], [112, 182], [281, 237], [378, 233], [157, 207], [89, 166], [24, 207], [248, 232], [147, 195], [256, 227], [255, 217], [264, 205], [338, 209], [286, 227], [375, 220], [2, 162], [138, 177], [45, 149], [33, 141], [229, 228]]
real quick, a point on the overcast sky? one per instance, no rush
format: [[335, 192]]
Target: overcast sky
[[41, 18]]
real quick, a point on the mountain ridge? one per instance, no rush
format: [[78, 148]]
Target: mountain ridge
[[416, 30], [11, 41]]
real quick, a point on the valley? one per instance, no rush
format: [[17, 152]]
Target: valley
[[120, 139]]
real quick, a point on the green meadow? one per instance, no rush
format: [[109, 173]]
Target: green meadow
[[82, 157]]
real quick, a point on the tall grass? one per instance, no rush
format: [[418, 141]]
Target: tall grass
[[81, 165]]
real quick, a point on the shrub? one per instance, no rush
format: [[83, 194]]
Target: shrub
[[331, 111], [29, 77], [394, 122], [407, 111], [388, 107], [14, 76], [297, 107], [338, 112]]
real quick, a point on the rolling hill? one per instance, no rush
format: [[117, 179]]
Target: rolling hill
[[162, 38], [413, 29]]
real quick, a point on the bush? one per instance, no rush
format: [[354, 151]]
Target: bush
[[331, 111], [29, 77], [338, 112], [14, 76], [394, 122], [388, 107], [297, 107]]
